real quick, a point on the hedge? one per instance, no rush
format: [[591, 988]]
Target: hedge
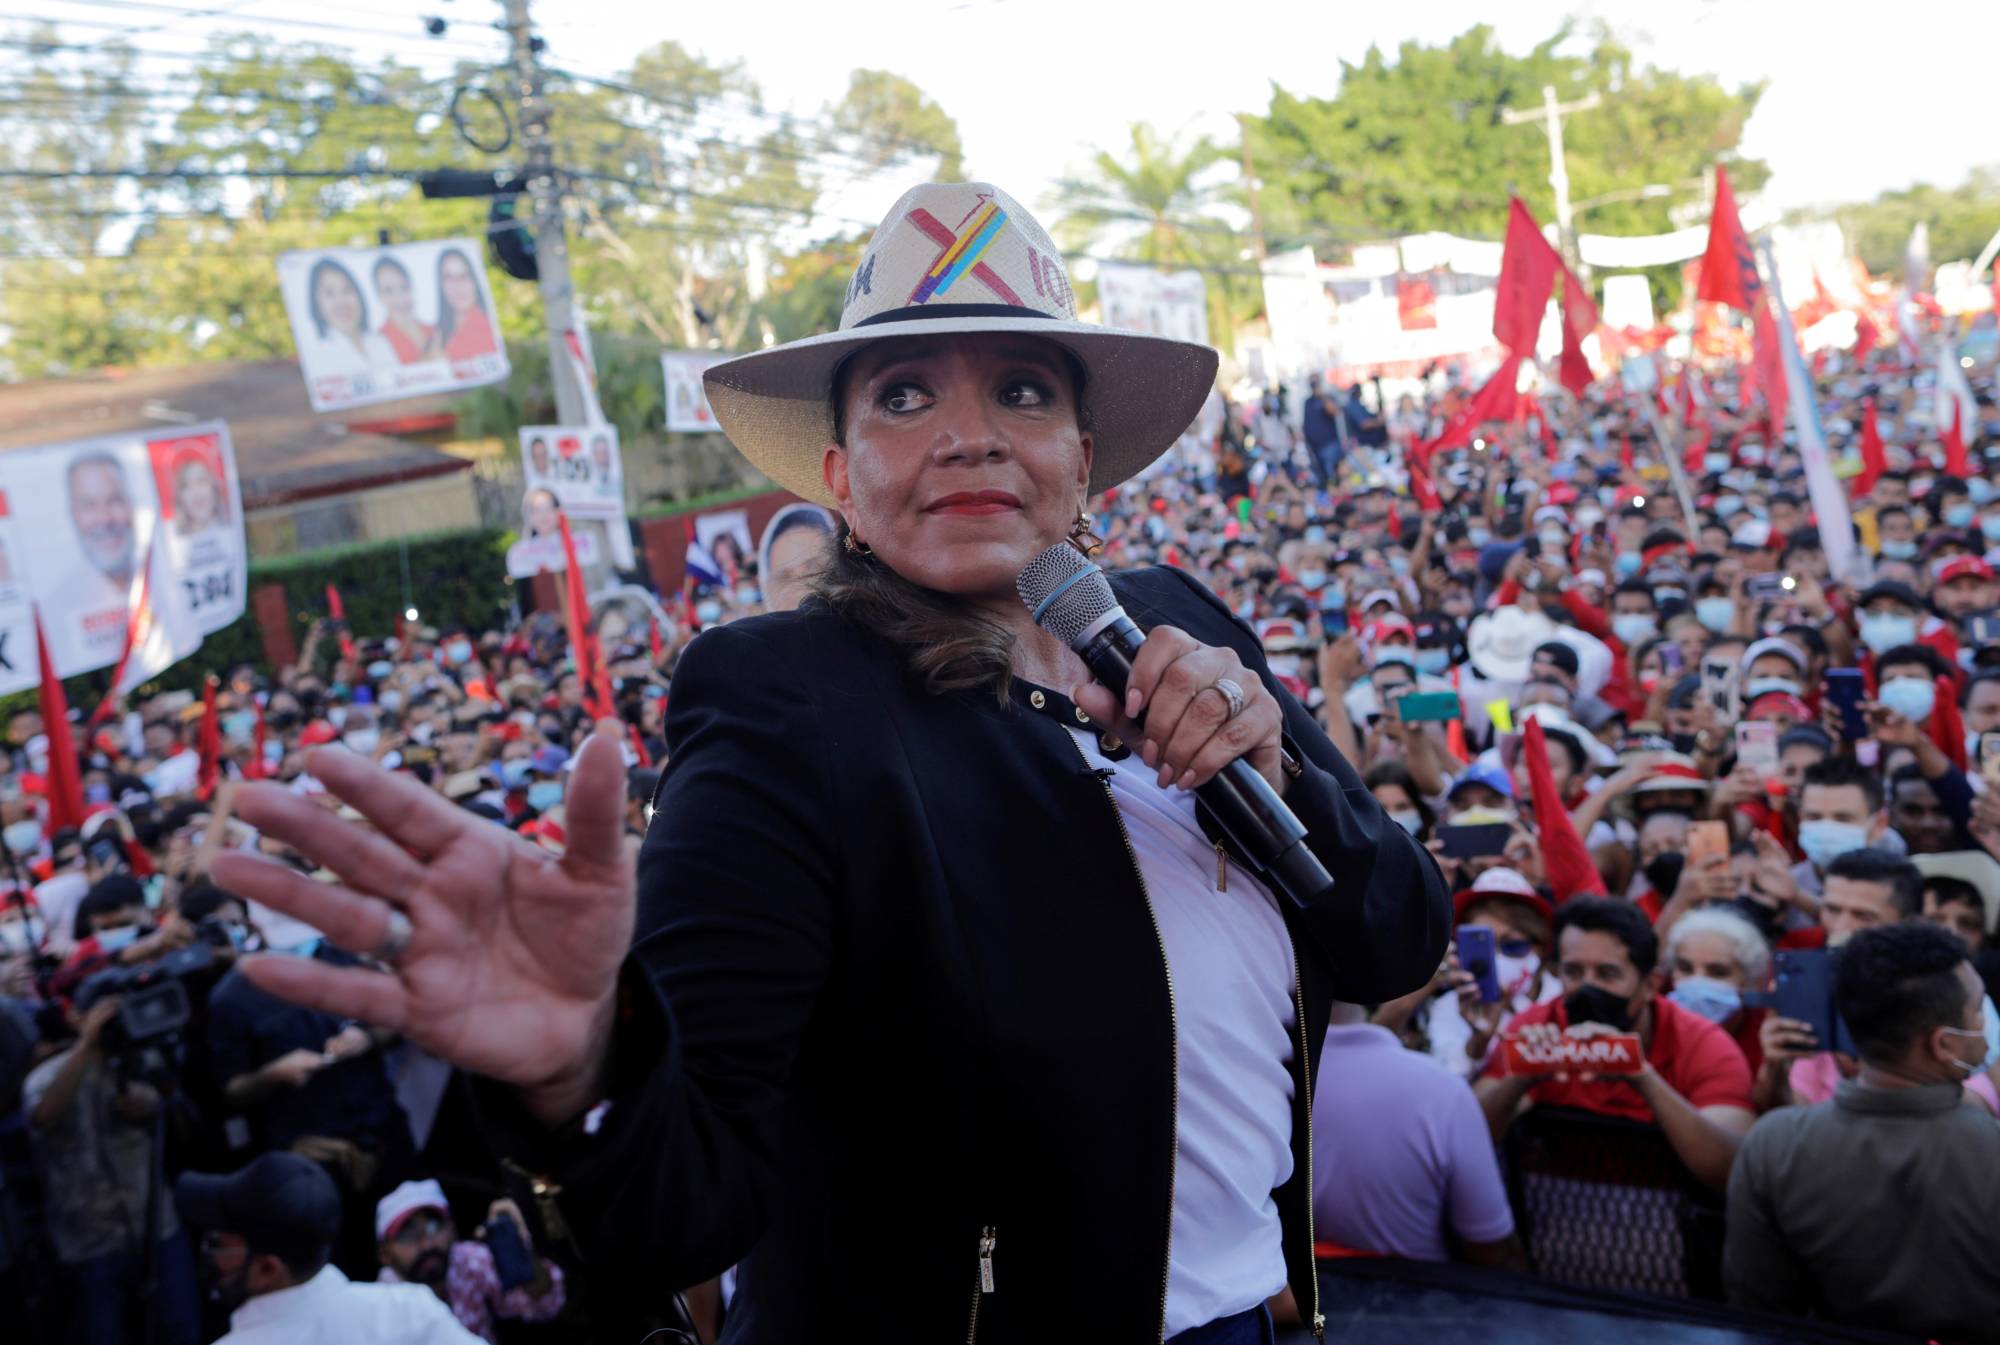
[[457, 578]]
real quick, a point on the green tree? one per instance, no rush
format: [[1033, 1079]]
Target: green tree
[[887, 120], [1160, 203], [1416, 141], [1961, 219]]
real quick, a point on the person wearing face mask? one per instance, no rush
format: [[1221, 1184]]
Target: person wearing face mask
[[268, 1237], [1391, 784], [1840, 809], [1694, 1084], [114, 927], [1964, 586], [1773, 664], [544, 783], [1897, 533], [1460, 1027], [1892, 1172], [1891, 614], [1714, 955]]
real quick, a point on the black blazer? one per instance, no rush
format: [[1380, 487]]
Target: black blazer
[[896, 983]]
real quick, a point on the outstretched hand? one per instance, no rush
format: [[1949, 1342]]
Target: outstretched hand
[[512, 962]]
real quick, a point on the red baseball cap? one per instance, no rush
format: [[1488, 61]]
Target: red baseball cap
[[1961, 567], [318, 734]]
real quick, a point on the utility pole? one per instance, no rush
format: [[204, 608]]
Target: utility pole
[[1551, 112], [551, 248], [1250, 187]]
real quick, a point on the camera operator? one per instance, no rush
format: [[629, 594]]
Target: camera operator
[[114, 927], [92, 1142]]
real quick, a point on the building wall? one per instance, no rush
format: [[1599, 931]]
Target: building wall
[[433, 504]]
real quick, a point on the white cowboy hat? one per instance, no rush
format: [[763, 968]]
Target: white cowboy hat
[[949, 258], [1975, 868], [1502, 642]]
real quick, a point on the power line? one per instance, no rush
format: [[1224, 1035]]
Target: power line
[[181, 14]]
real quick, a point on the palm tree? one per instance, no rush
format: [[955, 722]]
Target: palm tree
[[1156, 203]]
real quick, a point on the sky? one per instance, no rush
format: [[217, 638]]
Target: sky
[[1862, 96]]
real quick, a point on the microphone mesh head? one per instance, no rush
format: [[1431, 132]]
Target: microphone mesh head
[[1067, 594]]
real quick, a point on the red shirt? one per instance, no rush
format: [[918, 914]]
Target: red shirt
[[1697, 1058]]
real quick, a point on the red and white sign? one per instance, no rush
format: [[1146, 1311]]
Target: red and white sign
[[1605, 1053]]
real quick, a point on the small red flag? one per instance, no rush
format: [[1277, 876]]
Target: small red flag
[[1866, 335], [597, 700], [639, 745], [209, 742], [65, 784], [1498, 398], [1579, 319], [253, 769], [1767, 368], [1527, 273], [1947, 728], [659, 646], [338, 611], [1956, 462], [1565, 863], [1728, 267], [1874, 460]]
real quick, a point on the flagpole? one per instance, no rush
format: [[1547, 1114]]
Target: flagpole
[[1670, 449], [1835, 520]]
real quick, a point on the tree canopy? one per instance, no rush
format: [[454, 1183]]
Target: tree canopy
[[1417, 141], [1961, 219]]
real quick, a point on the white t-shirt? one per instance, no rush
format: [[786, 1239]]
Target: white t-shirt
[[1230, 961]]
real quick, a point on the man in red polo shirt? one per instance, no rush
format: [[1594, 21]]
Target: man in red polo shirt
[[1694, 1085]]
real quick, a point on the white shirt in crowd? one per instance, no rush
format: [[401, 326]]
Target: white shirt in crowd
[[1230, 960], [330, 1309]]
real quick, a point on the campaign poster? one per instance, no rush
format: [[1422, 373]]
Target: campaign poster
[[104, 552], [19, 668], [375, 324], [725, 534], [687, 400], [540, 549], [1162, 303], [201, 522], [581, 467]]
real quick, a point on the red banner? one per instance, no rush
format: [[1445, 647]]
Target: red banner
[[1416, 303]]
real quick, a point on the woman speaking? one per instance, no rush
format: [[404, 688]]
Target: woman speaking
[[937, 1007]]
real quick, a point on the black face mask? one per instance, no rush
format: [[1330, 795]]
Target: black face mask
[[1683, 743], [1595, 1004], [1663, 871], [1762, 917]]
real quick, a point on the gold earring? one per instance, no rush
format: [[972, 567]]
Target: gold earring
[[1080, 535], [858, 548]]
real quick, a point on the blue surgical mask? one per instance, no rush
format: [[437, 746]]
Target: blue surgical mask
[[1882, 632], [1894, 550], [1634, 628], [238, 725], [24, 838], [390, 700], [1758, 686], [1409, 819], [544, 795], [1433, 661], [119, 939], [1911, 697], [1478, 534], [1825, 840], [380, 669], [1315, 533], [1725, 505], [1980, 489], [514, 774], [1712, 999], [708, 612], [1333, 595], [1312, 580], [1627, 564], [1715, 463], [458, 651], [1989, 527], [1399, 563], [1958, 514], [1715, 614]]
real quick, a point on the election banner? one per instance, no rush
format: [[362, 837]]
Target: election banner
[[375, 324], [139, 549], [582, 468], [1160, 303], [18, 669], [687, 401], [1606, 1053]]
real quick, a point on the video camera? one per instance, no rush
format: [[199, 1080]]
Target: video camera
[[153, 1006]]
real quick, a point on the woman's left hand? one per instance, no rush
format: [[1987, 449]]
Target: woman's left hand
[[1189, 733]]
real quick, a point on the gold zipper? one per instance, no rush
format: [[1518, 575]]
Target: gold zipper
[[988, 1240], [1305, 1082], [1173, 1023]]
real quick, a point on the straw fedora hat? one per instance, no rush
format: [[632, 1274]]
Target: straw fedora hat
[[950, 258]]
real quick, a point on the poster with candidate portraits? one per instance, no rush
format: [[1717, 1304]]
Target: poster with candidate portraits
[[19, 668], [375, 324], [138, 548], [581, 467], [687, 401]]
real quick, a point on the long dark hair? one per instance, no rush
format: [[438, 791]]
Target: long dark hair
[[320, 268], [447, 316], [947, 646]]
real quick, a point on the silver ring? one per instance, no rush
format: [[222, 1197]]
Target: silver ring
[[397, 941], [1232, 693]]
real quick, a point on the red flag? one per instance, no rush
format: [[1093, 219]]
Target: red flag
[[1565, 863], [338, 611], [1527, 273], [253, 769], [1946, 727], [1497, 399], [209, 742], [1416, 303], [597, 699], [1728, 267], [1693, 457], [1625, 457], [135, 624], [639, 745], [1579, 319], [1866, 335], [659, 646], [1955, 461], [1767, 368], [65, 784], [1421, 489], [1874, 461]]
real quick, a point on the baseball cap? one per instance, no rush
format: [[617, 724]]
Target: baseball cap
[[548, 759], [1962, 567], [393, 1209], [281, 1203], [1483, 773]]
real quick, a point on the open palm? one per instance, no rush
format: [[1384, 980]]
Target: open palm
[[514, 954]]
